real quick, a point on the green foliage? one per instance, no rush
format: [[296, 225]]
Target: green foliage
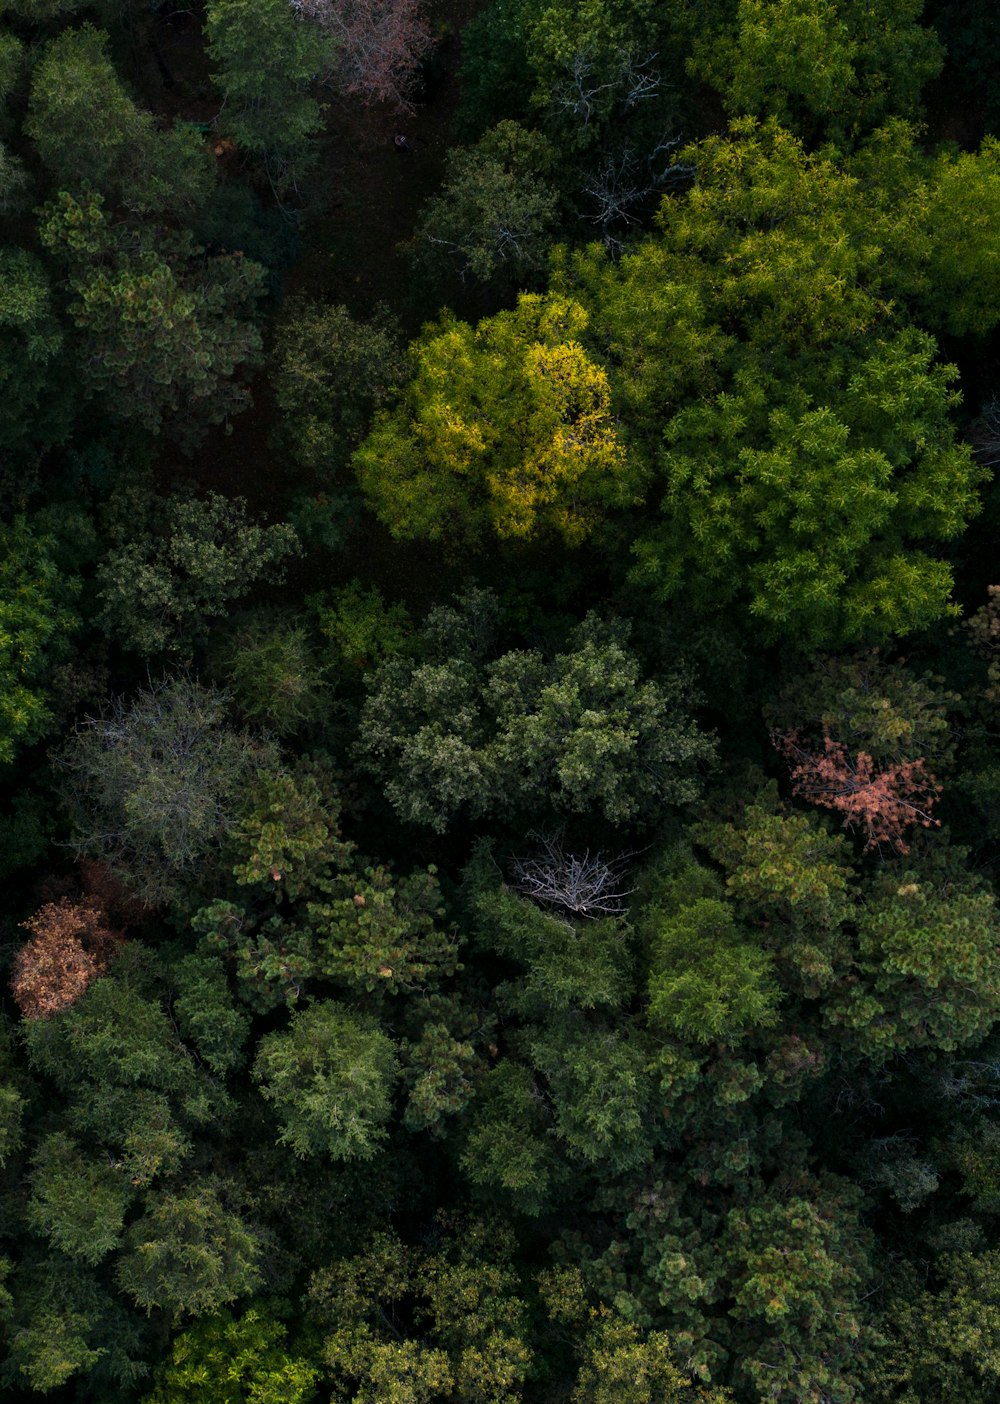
[[287, 831], [331, 374], [822, 68], [329, 1077], [472, 1343], [266, 57], [621, 1365], [504, 429], [708, 980], [942, 1342], [872, 705], [155, 785], [161, 588], [581, 731], [234, 1360], [362, 628], [38, 407], [34, 618], [507, 1151], [90, 135], [800, 1262], [600, 1089], [189, 1255], [931, 955], [269, 663], [582, 965], [206, 1013], [77, 1202], [495, 214], [812, 508], [162, 329]]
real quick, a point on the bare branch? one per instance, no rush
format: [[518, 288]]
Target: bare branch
[[586, 885]]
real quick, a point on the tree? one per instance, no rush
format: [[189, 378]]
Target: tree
[[156, 784], [940, 1344], [77, 1201], [883, 802], [270, 665], [329, 1077], [70, 946], [331, 374], [90, 135], [195, 557], [266, 58], [453, 729], [624, 1365], [377, 45], [234, 1360], [39, 406], [35, 615], [504, 429], [823, 69], [162, 328], [708, 979], [819, 507], [495, 214], [189, 1255]]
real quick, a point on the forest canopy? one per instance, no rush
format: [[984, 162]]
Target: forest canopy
[[499, 668]]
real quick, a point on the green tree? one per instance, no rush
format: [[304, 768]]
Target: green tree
[[234, 1360], [266, 57], [329, 1077], [77, 1202], [162, 330], [504, 429], [162, 586], [34, 618], [189, 1255], [331, 374], [39, 407], [940, 1343], [89, 133], [820, 67], [494, 217], [581, 731]]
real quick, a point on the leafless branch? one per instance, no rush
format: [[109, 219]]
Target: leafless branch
[[588, 885]]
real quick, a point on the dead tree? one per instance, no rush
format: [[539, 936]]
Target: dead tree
[[587, 885]]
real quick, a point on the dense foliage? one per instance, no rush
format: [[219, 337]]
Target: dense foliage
[[499, 667]]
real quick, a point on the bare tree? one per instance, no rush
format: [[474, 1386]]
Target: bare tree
[[380, 45], [584, 884], [586, 94]]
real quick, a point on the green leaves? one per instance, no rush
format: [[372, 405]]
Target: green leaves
[[189, 1254], [581, 732], [77, 1201], [161, 587], [329, 1077], [34, 617], [708, 980], [505, 429]]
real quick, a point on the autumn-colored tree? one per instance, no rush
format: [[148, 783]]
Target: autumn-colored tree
[[69, 947], [379, 44], [884, 802]]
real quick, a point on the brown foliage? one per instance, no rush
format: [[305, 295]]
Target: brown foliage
[[70, 946], [884, 802]]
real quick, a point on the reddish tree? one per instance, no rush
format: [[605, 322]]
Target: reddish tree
[[884, 803], [380, 45], [69, 948]]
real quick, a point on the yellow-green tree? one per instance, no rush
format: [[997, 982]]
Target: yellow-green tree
[[505, 429]]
